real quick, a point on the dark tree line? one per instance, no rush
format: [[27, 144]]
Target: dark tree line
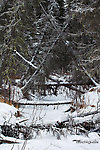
[[53, 35]]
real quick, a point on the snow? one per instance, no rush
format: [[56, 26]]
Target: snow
[[7, 113], [92, 98], [57, 78], [16, 93], [50, 115], [94, 136], [82, 10], [44, 114], [45, 143]]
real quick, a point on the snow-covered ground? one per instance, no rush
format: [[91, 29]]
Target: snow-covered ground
[[7, 113], [50, 115], [46, 142]]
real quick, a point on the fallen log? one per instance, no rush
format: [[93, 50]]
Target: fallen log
[[27, 132], [45, 103], [89, 113], [84, 115], [3, 141], [71, 86]]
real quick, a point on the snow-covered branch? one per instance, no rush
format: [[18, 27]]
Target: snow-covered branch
[[11, 11], [86, 72], [25, 60], [91, 60]]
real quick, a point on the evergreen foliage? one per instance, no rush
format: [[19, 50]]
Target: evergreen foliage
[[32, 27]]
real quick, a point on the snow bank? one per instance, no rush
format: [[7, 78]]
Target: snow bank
[[92, 97], [7, 113]]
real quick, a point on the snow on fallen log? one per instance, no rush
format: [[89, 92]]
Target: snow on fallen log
[[3, 141], [44, 103], [89, 113]]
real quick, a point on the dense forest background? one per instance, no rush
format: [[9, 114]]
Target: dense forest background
[[49, 74], [42, 37]]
